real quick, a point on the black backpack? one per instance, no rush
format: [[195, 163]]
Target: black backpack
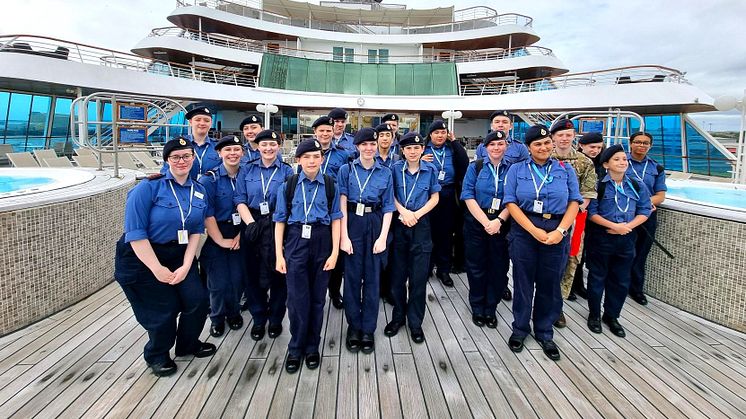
[[601, 187], [292, 182]]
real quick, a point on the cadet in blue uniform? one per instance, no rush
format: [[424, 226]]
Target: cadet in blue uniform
[[648, 172], [485, 230], [164, 216], [341, 138], [386, 157], [255, 198], [307, 232], [250, 127], [416, 190], [366, 196], [450, 159], [516, 151], [392, 120], [221, 255], [611, 234], [205, 155], [543, 198]]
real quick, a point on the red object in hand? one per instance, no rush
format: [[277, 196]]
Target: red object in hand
[[577, 233]]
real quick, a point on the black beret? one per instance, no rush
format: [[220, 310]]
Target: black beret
[[382, 128], [639, 133], [323, 120], [411, 138], [609, 152], [267, 135], [561, 124], [226, 141], [535, 132], [494, 136], [501, 113], [178, 143], [436, 125], [198, 111], [365, 134], [306, 146], [390, 117], [591, 138], [338, 113], [253, 119]]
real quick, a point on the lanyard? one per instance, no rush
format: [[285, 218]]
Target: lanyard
[[364, 185], [407, 196], [543, 178], [306, 207], [620, 190], [266, 188], [181, 210], [644, 168], [496, 175], [327, 157], [201, 156], [233, 183], [440, 159]]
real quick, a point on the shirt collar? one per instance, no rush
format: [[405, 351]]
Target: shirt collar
[[376, 163], [319, 177], [170, 176]]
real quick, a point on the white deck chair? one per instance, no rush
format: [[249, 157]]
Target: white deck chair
[[146, 160], [126, 161], [84, 152], [23, 159], [86, 161], [58, 162], [42, 154]]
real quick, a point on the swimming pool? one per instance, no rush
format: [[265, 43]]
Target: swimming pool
[[20, 181], [708, 193]]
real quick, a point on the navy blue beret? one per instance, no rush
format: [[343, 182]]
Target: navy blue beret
[[561, 124], [591, 138], [609, 152], [226, 141], [252, 119], [411, 138], [501, 113], [198, 111], [323, 120], [535, 132], [365, 134], [494, 136], [390, 117], [178, 143], [306, 146], [267, 135], [436, 125], [338, 113], [382, 128], [639, 133]]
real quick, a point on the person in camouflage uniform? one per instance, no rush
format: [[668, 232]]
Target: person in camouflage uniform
[[563, 134]]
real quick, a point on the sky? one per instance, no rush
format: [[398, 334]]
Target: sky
[[700, 38]]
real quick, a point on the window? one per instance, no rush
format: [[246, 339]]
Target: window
[[383, 56], [372, 56], [349, 55], [337, 54]]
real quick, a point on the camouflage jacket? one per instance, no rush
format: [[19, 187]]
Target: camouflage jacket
[[584, 169]]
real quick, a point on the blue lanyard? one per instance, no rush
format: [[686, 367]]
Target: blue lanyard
[[544, 178], [440, 157], [407, 196], [306, 206], [364, 185], [496, 176]]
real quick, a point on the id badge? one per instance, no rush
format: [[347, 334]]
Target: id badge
[[236, 218], [306, 232], [360, 209], [183, 236], [538, 206], [495, 204], [264, 208], [442, 175]]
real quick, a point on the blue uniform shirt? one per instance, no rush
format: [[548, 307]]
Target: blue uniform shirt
[[346, 141], [152, 212], [205, 158], [418, 186], [443, 160], [515, 152], [556, 194], [483, 187], [249, 155], [220, 193], [621, 206], [646, 172], [318, 207], [249, 183], [390, 160], [378, 187], [334, 158]]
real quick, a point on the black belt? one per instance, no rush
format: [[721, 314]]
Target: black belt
[[257, 214], [544, 216], [352, 206]]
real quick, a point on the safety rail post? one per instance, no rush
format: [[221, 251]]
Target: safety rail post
[[114, 142]]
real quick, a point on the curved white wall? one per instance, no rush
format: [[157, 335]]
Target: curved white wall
[[199, 48]]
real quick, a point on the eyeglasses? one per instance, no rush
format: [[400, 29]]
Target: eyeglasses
[[642, 143], [185, 157]]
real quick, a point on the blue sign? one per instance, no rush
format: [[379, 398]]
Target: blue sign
[[132, 112], [133, 135], [591, 125]]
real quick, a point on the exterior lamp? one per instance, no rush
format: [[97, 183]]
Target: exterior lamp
[[451, 116], [267, 109]]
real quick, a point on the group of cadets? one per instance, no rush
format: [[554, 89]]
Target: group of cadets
[[370, 217]]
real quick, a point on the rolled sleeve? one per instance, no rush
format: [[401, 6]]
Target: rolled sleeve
[[137, 212], [280, 215], [470, 180]]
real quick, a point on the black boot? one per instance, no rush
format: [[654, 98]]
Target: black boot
[[578, 287]]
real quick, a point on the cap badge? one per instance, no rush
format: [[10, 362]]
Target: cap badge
[[253, 119], [274, 135], [235, 139], [543, 131], [182, 142], [207, 110], [393, 117], [345, 115], [316, 143], [417, 139]]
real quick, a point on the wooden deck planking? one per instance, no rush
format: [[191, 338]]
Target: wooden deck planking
[[388, 392]]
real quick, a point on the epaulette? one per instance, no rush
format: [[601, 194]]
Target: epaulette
[[154, 176], [213, 173]]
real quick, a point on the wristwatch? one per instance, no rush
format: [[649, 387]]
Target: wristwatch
[[562, 231], [501, 220]]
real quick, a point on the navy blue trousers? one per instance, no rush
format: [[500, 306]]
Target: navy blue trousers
[[225, 275], [411, 250], [536, 267], [362, 271], [610, 258], [643, 244], [157, 305], [443, 218], [266, 289], [306, 283], [487, 264]]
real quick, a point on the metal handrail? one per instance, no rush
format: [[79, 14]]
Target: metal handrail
[[251, 45]]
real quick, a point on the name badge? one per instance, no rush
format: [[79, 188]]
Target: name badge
[[442, 175], [199, 195], [264, 208], [183, 236], [360, 209], [306, 232], [495, 204], [538, 206], [236, 218]]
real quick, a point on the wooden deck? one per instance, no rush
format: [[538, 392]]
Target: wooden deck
[[87, 362]]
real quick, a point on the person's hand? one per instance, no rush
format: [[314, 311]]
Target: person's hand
[[493, 227], [451, 136], [180, 274], [236, 242], [553, 237], [330, 262], [653, 207], [408, 218], [345, 245], [619, 228], [280, 265], [428, 158], [539, 234], [163, 274], [379, 245], [226, 243]]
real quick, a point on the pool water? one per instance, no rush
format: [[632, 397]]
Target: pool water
[[725, 195], [15, 183]]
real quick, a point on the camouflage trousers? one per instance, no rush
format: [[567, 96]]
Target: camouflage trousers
[[569, 275]]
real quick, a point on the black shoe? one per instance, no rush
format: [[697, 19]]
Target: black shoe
[[550, 349], [572, 296], [445, 278], [352, 342], [561, 321], [164, 369], [257, 331], [274, 330], [292, 364], [594, 324], [235, 323], [516, 343], [392, 328], [367, 343], [614, 326], [478, 320], [491, 322], [388, 300], [203, 350], [581, 292], [507, 295], [639, 299], [458, 269], [313, 360], [217, 329], [337, 301], [418, 336]]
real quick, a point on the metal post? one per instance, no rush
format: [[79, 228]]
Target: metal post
[[114, 134], [741, 148], [98, 132], [684, 147]]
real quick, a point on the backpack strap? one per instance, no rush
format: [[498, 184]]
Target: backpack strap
[[329, 188], [660, 168], [290, 184], [478, 164]]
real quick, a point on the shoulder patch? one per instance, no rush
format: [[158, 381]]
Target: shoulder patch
[[155, 176]]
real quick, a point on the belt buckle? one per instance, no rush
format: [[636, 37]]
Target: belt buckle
[[368, 209], [490, 211], [546, 216]]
